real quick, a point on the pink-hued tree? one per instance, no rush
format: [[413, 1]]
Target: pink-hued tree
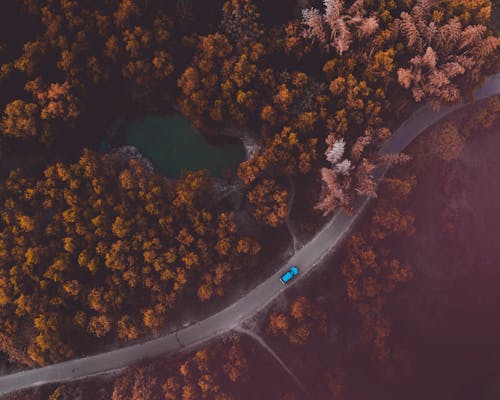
[[338, 26], [442, 53], [351, 173]]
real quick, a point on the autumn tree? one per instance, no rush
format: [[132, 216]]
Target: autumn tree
[[333, 383], [441, 52], [468, 12], [299, 323], [297, 100], [56, 101], [292, 41], [269, 202], [208, 373], [143, 50], [370, 272], [241, 21], [20, 119], [352, 175], [445, 142], [116, 232], [222, 84], [228, 74], [76, 51], [338, 26], [286, 152]]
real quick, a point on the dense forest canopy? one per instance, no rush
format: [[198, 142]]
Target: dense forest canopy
[[103, 247], [97, 247]]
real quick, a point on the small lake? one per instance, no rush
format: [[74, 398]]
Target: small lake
[[172, 144]]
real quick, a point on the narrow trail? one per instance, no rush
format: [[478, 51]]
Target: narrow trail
[[251, 146], [261, 341]]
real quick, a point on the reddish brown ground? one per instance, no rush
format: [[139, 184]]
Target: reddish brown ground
[[449, 316]]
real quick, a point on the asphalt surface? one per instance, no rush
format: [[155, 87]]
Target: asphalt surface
[[255, 300]]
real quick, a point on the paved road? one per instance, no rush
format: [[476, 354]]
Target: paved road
[[258, 298]]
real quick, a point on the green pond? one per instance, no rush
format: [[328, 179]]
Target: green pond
[[172, 144]]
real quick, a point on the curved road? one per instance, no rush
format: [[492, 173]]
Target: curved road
[[255, 300]]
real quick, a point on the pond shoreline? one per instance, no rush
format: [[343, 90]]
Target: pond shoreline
[[115, 140], [115, 136], [166, 140]]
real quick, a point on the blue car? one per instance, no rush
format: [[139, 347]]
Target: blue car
[[289, 274]]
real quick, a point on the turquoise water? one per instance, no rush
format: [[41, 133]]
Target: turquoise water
[[172, 144]]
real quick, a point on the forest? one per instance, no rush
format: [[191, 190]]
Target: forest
[[96, 249], [364, 289]]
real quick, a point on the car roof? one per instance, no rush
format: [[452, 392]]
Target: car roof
[[294, 268], [286, 277]]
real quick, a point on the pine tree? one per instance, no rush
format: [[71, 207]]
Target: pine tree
[[442, 53], [337, 27]]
